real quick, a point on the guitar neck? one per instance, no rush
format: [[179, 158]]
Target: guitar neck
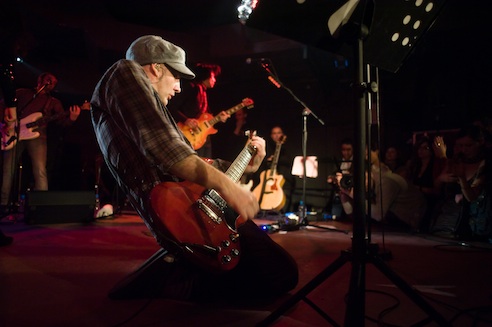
[[235, 171], [237, 168], [276, 155], [229, 111]]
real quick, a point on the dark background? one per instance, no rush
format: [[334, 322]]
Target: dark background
[[441, 84]]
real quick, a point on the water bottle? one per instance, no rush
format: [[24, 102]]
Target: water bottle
[[22, 202], [336, 207], [97, 205], [301, 210]]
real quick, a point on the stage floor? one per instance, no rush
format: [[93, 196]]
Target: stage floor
[[59, 275]]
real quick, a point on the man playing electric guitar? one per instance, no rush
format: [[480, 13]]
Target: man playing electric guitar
[[188, 107], [30, 101], [147, 153]]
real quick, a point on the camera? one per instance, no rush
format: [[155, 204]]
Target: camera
[[347, 181]]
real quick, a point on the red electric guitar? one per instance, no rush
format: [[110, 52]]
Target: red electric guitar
[[198, 220]]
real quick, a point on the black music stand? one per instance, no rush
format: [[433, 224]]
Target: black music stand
[[353, 20]]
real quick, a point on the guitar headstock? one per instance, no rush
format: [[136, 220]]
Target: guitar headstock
[[250, 134], [248, 103], [282, 139], [85, 106]]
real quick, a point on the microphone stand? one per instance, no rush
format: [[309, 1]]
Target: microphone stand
[[273, 78]]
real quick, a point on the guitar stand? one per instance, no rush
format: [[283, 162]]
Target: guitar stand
[[347, 256]]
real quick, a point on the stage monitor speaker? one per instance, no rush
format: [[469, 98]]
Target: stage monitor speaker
[[56, 207]]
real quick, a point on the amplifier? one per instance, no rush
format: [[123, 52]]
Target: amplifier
[[56, 207]]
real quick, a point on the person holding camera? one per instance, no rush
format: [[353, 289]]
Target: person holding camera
[[342, 179], [393, 200]]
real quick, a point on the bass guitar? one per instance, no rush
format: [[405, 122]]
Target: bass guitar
[[269, 191], [27, 127], [198, 221], [198, 136]]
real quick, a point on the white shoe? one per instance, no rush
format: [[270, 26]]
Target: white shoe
[[106, 210]]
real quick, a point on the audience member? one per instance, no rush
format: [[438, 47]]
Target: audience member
[[393, 158], [422, 169], [464, 210], [393, 200]]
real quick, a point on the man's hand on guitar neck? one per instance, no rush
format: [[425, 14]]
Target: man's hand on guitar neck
[[259, 144], [74, 112], [223, 116], [191, 123]]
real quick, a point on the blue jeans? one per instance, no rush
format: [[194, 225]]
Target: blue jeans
[[37, 149]]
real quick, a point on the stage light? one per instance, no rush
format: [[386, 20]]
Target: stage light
[[245, 9], [19, 59]]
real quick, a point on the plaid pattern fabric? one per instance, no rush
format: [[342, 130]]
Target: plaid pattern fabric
[[137, 136]]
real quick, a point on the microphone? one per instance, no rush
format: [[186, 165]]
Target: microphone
[[250, 60], [41, 88], [274, 81], [265, 63]]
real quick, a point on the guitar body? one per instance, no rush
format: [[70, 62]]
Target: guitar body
[[198, 221], [247, 186], [207, 242], [269, 192], [198, 136], [27, 126]]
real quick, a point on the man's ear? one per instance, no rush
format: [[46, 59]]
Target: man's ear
[[156, 69]]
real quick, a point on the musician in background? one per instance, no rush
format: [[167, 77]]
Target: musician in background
[[32, 101], [10, 30], [143, 148], [284, 164], [189, 106]]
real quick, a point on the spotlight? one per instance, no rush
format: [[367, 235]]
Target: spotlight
[[19, 59], [245, 9]]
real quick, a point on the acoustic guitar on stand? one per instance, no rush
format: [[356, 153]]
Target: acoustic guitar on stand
[[269, 192], [198, 221], [27, 127], [198, 136]]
